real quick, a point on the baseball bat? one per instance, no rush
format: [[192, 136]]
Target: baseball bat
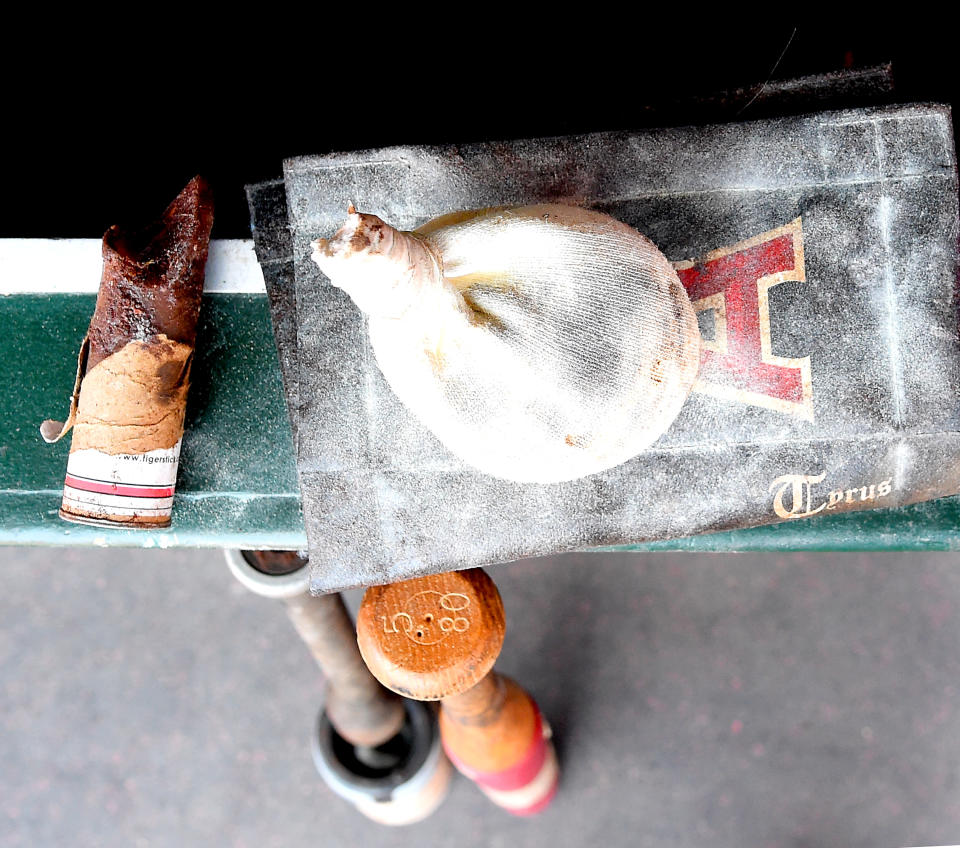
[[377, 751], [361, 710], [436, 638]]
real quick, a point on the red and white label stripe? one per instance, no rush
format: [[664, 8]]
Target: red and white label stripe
[[98, 484], [104, 488], [527, 786]]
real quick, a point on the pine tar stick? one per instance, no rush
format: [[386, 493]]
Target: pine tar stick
[[133, 371]]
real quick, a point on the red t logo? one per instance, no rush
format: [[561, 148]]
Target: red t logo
[[738, 364]]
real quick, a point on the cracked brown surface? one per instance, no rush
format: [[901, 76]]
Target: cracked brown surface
[[153, 277], [133, 394]]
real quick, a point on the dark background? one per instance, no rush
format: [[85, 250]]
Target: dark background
[[105, 127]]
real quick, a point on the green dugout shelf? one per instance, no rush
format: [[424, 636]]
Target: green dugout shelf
[[237, 485]]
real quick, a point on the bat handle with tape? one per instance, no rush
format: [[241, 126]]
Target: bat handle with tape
[[378, 751], [437, 638], [359, 708]]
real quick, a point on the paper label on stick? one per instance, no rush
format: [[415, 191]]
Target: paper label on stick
[[121, 487]]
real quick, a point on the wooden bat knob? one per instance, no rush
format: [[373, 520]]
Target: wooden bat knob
[[432, 637], [437, 638]]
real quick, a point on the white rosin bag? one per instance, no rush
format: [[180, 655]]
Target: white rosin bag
[[539, 343]]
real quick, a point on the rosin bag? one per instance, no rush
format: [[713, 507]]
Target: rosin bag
[[820, 255], [538, 343], [133, 373]]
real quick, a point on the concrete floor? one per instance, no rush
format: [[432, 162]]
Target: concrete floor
[[789, 701]]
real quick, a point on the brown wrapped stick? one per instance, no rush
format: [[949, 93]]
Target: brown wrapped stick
[[362, 711], [133, 372], [437, 638]]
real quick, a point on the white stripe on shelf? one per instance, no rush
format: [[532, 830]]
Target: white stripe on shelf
[[72, 266]]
